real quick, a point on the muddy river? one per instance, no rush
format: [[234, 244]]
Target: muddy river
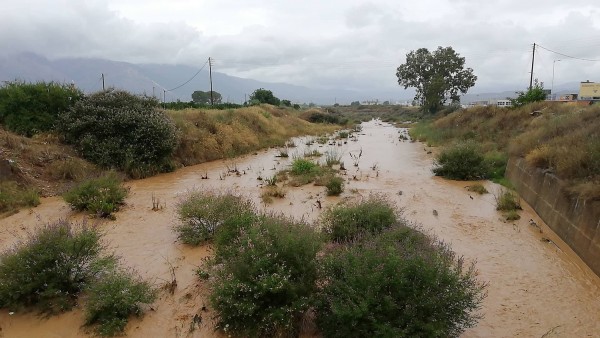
[[537, 288]]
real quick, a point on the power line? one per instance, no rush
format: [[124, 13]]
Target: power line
[[567, 56], [188, 81]]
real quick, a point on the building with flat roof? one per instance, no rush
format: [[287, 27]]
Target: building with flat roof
[[589, 91]]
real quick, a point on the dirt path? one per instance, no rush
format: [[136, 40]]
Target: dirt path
[[536, 288]]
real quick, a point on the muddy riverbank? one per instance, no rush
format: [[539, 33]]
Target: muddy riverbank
[[536, 286]]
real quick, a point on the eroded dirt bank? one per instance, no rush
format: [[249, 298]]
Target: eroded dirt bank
[[535, 288]]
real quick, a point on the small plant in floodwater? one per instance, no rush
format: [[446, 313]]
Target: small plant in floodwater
[[100, 196], [271, 181], [477, 188], [332, 157], [284, 153], [303, 167], [312, 153], [204, 216], [507, 200], [343, 134], [348, 221], [512, 215], [335, 186], [356, 157], [115, 297], [272, 192]]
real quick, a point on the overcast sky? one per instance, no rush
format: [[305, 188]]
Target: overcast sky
[[318, 43]]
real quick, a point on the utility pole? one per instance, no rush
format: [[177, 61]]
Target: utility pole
[[103, 82], [210, 75], [153, 95], [532, 62], [164, 98]]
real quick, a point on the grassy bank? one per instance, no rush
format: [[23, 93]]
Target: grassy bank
[[561, 138], [45, 165], [207, 135]]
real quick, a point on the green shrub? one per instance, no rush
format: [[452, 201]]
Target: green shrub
[[31, 108], [115, 129], [301, 166], [115, 297], [335, 186], [401, 283], [345, 222], [507, 200], [101, 196], [262, 288], [512, 215], [204, 216], [50, 267], [461, 161], [495, 164], [12, 196]]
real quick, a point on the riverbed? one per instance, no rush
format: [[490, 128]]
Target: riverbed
[[537, 285]]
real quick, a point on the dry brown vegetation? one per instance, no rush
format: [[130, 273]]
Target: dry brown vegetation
[[208, 135], [561, 138], [43, 162]]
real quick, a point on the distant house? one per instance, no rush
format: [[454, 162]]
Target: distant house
[[500, 103], [589, 91], [568, 97], [479, 103]]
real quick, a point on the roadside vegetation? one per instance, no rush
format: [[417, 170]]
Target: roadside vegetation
[[563, 139], [56, 264], [274, 275]]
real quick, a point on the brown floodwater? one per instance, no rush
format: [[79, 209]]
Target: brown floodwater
[[536, 288]]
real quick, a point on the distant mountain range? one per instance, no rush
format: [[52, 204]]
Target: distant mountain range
[[156, 79], [159, 79]]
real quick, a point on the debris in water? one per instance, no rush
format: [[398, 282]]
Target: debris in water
[[435, 213]]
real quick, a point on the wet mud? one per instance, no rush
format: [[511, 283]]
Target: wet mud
[[537, 285]]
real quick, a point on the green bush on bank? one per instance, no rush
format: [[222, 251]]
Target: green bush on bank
[[116, 129], [100, 196], [461, 161], [400, 283], [32, 108]]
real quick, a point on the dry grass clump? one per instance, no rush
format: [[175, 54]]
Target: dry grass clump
[[271, 192], [208, 135], [477, 188]]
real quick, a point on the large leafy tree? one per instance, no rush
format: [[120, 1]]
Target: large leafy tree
[[204, 97], [437, 76], [264, 96]]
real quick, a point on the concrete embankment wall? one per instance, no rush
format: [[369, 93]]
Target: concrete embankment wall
[[575, 220]]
